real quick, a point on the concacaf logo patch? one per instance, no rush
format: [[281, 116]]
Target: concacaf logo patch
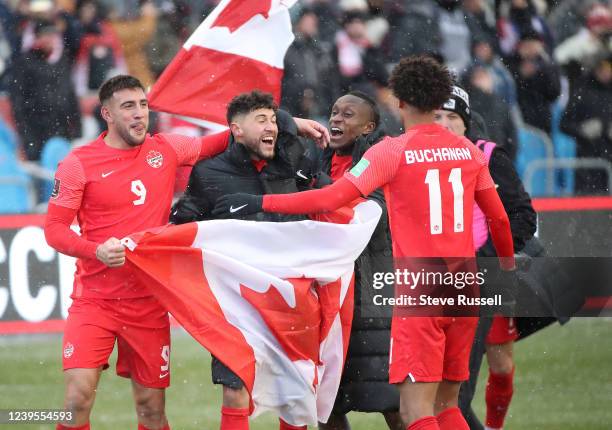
[[56, 189], [68, 350], [155, 159]]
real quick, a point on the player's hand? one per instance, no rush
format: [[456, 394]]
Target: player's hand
[[237, 205], [313, 130], [111, 252]]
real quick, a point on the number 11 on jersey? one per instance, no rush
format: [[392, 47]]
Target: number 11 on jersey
[[432, 179]]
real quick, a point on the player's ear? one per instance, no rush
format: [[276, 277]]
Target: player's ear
[[236, 130], [369, 127], [105, 113]]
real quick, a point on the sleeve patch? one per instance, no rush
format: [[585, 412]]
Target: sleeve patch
[[56, 189], [360, 167]]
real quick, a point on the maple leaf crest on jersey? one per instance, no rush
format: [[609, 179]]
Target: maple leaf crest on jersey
[[155, 159]]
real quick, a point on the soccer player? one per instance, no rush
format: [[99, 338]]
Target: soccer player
[[456, 116], [432, 178], [355, 126], [118, 184]]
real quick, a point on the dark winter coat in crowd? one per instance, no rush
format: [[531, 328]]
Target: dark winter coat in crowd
[[521, 20], [374, 72], [232, 172], [328, 13], [43, 101], [364, 385], [588, 118], [496, 114], [310, 80], [482, 27], [413, 29], [536, 93]]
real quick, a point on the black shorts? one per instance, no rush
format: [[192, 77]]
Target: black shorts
[[222, 375]]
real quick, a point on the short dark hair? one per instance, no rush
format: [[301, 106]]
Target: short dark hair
[[370, 102], [117, 83], [248, 102], [422, 82]]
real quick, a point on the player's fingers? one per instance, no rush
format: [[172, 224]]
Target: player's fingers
[[118, 250], [113, 242], [325, 138], [116, 262]]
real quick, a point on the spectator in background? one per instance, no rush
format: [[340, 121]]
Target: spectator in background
[[503, 83], [537, 80], [310, 80], [455, 36], [31, 12], [100, 54], [413, 29], [584, 47], [134, 34], [377, 26], [588, 118], [328, 13], [430, 27], [360, 65], [567, 17], [171, 31], [518, 17], [480, 85], [480, 20], [42, 94]]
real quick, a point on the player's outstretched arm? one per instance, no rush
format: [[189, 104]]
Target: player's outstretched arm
[[326, 199], [489, 202]]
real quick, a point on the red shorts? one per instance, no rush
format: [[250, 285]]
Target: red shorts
[[430, 349], [503, 330], [142, 331]]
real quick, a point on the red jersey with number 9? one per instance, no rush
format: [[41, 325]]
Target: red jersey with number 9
[[118, 192], [430, 177]]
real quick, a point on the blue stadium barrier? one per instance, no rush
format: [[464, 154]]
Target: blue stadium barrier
[[7, 136], [54, 151], [533, 144], [565, 147], [15, 184]]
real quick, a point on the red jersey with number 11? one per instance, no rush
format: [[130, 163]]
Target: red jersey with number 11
[[118, 192], [430, 177]]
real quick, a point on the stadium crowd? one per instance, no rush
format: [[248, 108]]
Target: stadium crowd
[[538, 71]]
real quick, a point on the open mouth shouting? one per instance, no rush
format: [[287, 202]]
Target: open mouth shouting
[[336, 132], [268, 140]]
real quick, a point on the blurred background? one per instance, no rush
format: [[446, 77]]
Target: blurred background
[[538, 71]]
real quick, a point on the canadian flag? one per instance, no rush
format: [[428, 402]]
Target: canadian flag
[[272, 301], [239, 47]]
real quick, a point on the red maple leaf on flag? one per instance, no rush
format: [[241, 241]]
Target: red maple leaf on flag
[[238, 12]]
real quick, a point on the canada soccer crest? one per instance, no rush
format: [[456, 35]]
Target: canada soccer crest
[[155, 159], [68, 350]]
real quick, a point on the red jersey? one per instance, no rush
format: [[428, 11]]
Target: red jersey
[[430, 177], [118, 192], [339, 165]]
